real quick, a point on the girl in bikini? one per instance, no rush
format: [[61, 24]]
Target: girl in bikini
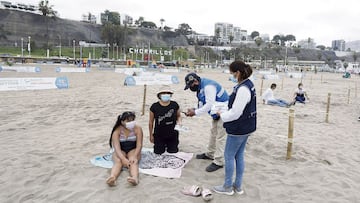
[[126, 140]]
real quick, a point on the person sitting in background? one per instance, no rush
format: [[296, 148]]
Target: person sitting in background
[[126, 141], [268, 98], [300, 94]]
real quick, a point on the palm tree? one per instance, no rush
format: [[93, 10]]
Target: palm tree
[[162, 22], [217, 35], [231, 38], [354, 56], [45, 9], [139, 21]]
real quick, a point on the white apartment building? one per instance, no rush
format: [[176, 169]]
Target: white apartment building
[[307, 43], [338, 45], [89, 18], [225, 31]]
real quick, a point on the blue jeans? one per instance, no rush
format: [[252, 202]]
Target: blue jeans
[[234, 151], [278, 102]]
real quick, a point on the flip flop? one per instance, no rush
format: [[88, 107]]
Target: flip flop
[[192, 190], [206, 194]]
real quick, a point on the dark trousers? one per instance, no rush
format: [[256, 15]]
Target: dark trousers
[[166, 142]]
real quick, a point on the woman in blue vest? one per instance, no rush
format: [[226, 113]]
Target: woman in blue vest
[[239, 122]]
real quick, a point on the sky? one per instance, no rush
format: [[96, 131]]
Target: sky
[[321, 20]]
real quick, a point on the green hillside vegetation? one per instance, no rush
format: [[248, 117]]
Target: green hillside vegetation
[[49, 32]]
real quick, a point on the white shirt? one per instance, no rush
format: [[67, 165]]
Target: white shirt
[[300, 91], [268, 95], [243, 96], [210, 98]]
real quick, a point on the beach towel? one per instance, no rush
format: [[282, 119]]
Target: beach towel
[[165, 165]]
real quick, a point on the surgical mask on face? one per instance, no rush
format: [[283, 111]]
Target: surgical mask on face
[[130, 125], [233, 79], [300, 87], [194, 88], [165, 97]]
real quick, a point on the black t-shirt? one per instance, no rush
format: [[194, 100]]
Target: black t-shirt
[[164, 118]]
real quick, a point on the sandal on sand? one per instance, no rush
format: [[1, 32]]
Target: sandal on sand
[[206, 194], [192, 190]]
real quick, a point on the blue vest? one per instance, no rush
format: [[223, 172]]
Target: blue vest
[[246, 123], [221, 94]]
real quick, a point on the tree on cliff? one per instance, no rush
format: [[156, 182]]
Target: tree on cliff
[[184, 29], [46, 9]]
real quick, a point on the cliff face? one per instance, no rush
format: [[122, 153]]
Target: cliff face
[[44, 30], [15, 25]]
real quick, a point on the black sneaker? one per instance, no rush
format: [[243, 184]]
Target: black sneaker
[[203, 156], [213, 167]]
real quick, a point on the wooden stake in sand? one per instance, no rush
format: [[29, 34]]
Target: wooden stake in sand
[[290, 133], [355, 89], [327, 108], [144, 101], [261, 87], [349, 96], [282, 83]]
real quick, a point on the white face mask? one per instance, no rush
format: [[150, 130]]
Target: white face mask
[[233, 79], [165, 97], [130, 125]]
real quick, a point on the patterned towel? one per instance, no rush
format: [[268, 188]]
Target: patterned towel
[[165, 165]]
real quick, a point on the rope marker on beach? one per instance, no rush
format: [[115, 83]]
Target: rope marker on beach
[[144, 100], [290, 133], [328, 108]]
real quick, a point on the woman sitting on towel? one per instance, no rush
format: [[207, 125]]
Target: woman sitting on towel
[[300, 94], [126, 140]]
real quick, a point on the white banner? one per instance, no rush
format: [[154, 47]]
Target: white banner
[[271, 77], [7, 84], [169, 70], [154, 79], [295, 75], [263, 72], [20, 69], [129, 71], [72, 70]]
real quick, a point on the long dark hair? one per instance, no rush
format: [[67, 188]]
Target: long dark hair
[[127, 115], [245, 69]]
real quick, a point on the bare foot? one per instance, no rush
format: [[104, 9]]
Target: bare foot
[[111, 181], [133, 181]]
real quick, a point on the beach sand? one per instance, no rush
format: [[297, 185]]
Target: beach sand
[[48, 136]]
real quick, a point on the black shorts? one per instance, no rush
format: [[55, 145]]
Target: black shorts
[[166, 142]]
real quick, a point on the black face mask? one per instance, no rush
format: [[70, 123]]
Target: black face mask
[[194, 88]]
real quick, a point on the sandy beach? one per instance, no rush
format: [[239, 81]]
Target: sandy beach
[[48, 136]]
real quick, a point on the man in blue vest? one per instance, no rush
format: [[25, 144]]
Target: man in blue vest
[[208, 92]]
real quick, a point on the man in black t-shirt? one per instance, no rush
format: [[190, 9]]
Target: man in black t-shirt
[[165, 114]]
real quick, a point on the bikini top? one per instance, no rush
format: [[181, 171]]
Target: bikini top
[[130, 137]]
